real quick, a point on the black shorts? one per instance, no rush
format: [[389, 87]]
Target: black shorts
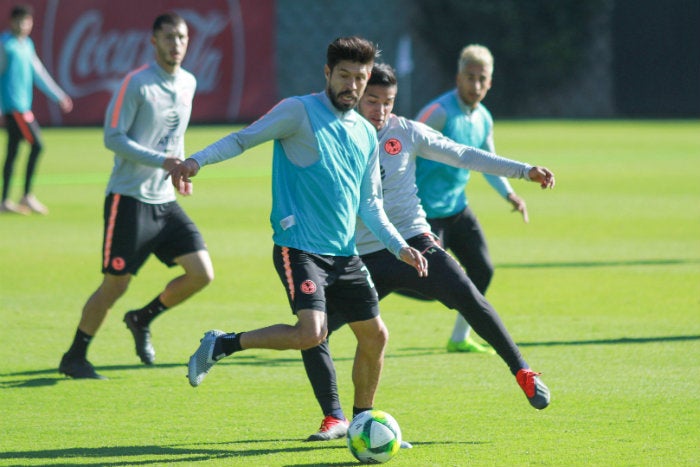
[[446, 280], [133, 230], [337, 284], [462, 235]]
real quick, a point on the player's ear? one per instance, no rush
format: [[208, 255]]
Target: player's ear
[[327, 71]]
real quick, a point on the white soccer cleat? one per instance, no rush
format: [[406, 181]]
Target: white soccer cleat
[[331, 428], [32, 204], [9, 206], [202, 359]]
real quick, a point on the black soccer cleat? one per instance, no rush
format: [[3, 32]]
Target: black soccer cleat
[[142, 338], [78, 368]]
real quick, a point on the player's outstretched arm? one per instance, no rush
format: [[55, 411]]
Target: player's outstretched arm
[[413, 257], [541, 175]]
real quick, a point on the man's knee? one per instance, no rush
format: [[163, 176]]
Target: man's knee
[[113, 287], [373, 338], [198, 268], [308, 340], [201, 279], [311, 328]]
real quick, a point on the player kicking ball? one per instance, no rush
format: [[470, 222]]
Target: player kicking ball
[[401, 141]]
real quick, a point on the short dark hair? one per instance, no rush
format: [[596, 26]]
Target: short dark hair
[[383, 75], [169, 17], [20, 11], [352, 48]]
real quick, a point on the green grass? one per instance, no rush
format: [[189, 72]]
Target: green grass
[[601, 291]]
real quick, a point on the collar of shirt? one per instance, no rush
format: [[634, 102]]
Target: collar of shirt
[[349, 116], [464, 107]]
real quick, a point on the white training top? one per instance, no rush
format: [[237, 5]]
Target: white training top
[[400, 142], [145, 122]]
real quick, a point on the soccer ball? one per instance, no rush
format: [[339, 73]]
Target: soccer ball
[[374, 437]]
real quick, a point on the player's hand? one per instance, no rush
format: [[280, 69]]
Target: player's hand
[[410, 255], [66, 104], [519, 205], [543, 176], [180, 173]]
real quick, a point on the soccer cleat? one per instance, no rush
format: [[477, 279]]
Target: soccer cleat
[[78, 368], [32, 204], [469, 345], [406, 445], [331, 428], [202, 359], [535, 390], [142, 338], [10, 207]]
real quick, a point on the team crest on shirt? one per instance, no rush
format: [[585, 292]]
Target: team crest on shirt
[[392, 146], [308, 287]]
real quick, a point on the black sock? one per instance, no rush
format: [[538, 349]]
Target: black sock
[[226, 345], [321, 373], [358, 410], [80, 344], [148, 313]]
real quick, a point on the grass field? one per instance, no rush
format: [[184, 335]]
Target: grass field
[[601, 291]]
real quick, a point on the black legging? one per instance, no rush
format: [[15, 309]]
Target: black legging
[[446, 282], [21, 126]]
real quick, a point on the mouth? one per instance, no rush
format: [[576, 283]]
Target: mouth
[[377, 122], [347, 96]]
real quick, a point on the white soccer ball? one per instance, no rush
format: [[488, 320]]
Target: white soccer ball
[[374, 437]]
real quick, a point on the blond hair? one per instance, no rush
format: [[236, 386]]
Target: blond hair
[[475, 53]]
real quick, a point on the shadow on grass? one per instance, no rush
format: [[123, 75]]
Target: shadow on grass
[[40, 380], [60, 377], [45, 381], [621, 340], [422, 351], [181, 453], [598, 264], [425, 351], [355, 463], [162, 455]]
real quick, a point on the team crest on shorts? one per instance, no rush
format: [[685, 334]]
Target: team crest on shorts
[[118, 263], [308, 287], [392, 146]]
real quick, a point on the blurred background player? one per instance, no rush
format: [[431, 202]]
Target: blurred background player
[[459, 115], [145, 126], [20, 69], [400, 142]]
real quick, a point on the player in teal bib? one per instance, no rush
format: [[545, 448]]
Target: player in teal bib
[[300, 217], [325, 175], [459, 115], [20, 70]]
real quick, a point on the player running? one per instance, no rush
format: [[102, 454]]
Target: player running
[[400, 142], [145, 127]]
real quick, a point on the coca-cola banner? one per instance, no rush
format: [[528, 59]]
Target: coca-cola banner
[[88, 46]]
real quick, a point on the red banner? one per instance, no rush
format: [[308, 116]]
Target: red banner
[[88, 46]]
